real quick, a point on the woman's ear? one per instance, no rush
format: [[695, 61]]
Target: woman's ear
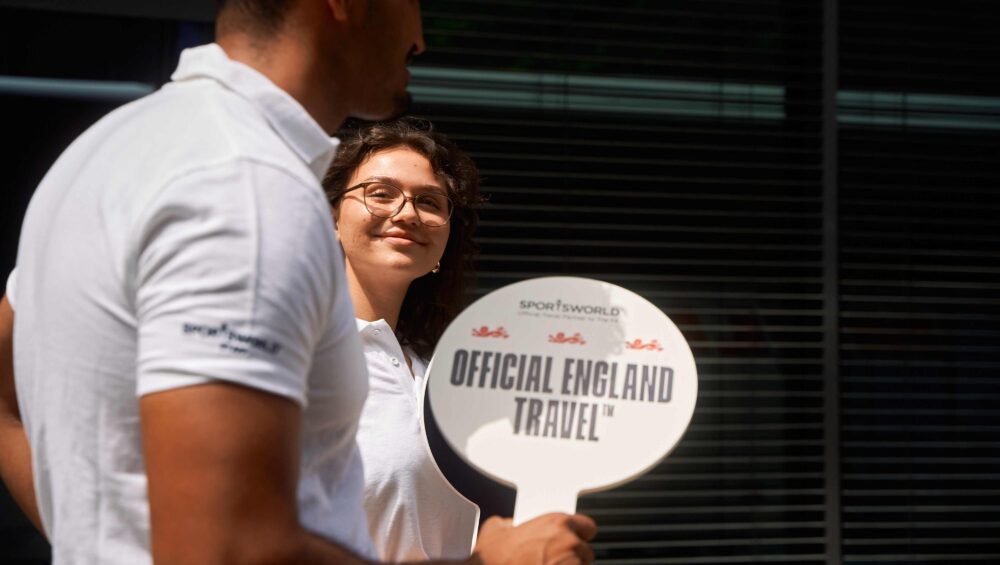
[[335, 212]]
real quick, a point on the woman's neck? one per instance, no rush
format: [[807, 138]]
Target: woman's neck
[[376, 297]]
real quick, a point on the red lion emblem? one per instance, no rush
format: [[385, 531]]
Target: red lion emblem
[[561, 337], [485, 331]]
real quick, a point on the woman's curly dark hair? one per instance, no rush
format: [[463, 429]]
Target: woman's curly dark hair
[[433, 300]]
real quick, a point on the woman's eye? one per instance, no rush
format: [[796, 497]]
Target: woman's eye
[[381, 194], [430, 203]]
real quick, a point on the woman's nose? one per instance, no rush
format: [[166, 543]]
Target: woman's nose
[[408, 213]]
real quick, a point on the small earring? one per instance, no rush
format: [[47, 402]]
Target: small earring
[[437, 268]]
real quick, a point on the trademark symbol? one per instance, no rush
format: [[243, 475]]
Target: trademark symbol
[[608, 410]]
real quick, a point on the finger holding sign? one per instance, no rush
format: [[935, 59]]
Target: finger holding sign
[[551, 538], [560, 386]]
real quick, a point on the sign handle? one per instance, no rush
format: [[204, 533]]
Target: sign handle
[[533, 502]]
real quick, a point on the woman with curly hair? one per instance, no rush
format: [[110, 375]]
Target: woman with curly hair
[[404, 200]]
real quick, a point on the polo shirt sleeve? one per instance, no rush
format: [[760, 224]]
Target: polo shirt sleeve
[[234, 280]]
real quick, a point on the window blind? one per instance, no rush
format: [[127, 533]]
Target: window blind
[[673, 149], [919, 110]]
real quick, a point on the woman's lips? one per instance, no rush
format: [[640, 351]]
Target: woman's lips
[[400, 239]]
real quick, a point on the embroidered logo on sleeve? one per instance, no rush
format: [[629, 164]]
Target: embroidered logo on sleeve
[[232, 340]]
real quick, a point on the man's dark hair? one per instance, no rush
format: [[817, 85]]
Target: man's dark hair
[[432, 300], [261, 16]]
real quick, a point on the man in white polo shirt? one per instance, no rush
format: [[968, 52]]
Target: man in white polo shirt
[[187, 368]]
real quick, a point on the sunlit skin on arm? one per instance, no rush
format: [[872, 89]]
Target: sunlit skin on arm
[[15, 455], [222, 464]]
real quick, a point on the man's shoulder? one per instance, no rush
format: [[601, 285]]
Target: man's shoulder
[[182, 129], [210, 123]]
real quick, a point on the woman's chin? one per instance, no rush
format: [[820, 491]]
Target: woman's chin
[[400, 269]]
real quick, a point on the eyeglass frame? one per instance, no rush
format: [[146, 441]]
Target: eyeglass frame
[[411, 199]]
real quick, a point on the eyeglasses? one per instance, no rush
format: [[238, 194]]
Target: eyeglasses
[[386, 201]]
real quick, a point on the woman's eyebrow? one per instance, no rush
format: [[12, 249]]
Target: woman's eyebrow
[[385, 179], [396, 182]]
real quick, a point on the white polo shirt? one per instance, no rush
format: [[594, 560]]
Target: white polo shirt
[[413, 512], [183, 239]]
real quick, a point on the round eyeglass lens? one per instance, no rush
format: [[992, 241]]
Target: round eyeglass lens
[[386, 201]]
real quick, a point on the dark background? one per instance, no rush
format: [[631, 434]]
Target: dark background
[[808, 188]]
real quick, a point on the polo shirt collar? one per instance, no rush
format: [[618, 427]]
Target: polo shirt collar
[[376, 328], [285, 115]]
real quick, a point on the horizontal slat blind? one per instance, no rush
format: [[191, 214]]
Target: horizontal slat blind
[[920, 293], [706, 200]]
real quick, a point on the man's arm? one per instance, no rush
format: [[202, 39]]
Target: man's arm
[[222, 464], [15, 455]]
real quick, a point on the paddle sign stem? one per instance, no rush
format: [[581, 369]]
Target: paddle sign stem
[[534, 500]]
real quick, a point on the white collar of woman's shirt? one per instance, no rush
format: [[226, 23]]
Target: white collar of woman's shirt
[[378, 337]]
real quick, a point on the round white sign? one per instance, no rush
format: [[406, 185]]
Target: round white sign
[[560, 386]]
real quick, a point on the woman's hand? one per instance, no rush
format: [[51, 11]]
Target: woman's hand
[[549, 539]]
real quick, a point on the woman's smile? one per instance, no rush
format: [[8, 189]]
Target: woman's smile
[[400, 237]]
